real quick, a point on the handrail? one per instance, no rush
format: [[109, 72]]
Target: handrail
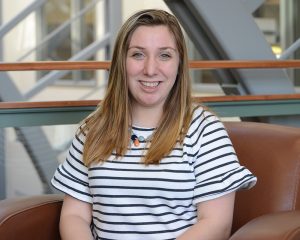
[[93, 103], [18, 114], [290, 50], [96, 65]]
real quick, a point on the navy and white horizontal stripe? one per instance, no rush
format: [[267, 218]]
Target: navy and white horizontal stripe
[[134, 201]]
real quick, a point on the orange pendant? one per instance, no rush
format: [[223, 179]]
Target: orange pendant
[[136, 142]]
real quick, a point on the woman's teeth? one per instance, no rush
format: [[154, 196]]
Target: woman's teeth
[[150, 84]]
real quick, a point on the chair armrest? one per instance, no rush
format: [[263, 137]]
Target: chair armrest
[[275, 226], [34, 217]]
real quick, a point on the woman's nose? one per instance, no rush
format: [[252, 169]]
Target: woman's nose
[[150, 66]]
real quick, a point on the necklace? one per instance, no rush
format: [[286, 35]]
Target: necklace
[[136, 140]]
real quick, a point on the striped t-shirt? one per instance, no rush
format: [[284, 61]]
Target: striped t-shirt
[[133, 201]]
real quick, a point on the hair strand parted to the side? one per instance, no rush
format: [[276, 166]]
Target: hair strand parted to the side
[[107, 129]]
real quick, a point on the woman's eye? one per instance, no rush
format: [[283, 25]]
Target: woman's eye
[[165, 56], [137, 55]]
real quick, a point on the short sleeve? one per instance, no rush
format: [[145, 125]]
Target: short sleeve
[[71, 177], [216, 167]]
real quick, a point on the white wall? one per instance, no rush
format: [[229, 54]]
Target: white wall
[[19, 40], [131, 6]]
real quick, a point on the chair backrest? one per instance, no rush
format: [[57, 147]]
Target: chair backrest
[[272, 153], [30, 218]]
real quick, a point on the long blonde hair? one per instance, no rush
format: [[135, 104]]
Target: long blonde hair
[[107, 129]]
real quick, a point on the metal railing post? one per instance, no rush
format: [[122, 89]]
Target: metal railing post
[[5, 28]]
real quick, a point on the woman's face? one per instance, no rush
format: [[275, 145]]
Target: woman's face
[[151, 65]]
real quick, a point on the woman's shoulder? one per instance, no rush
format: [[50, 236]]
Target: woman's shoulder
[[201, 112], [203, 118], [80, 136]]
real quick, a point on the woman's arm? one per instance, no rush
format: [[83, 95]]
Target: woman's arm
[[75, 219], [214, 220]]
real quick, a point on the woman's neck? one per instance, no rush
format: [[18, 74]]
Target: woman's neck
[[146, 117]]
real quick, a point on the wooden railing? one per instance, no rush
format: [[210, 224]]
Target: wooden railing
[[96, 65], [66, 112]]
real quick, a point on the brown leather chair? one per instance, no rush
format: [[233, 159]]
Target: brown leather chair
[[268, 211], [30, 218], [271, 209]]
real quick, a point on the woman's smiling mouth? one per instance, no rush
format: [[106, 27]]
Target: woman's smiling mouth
[[150, 84]]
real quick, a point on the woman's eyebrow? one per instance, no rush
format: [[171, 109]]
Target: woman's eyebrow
[[168, 48], [138, 47], [161, 48]]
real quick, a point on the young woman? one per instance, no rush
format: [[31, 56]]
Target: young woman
[[148, 163]]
